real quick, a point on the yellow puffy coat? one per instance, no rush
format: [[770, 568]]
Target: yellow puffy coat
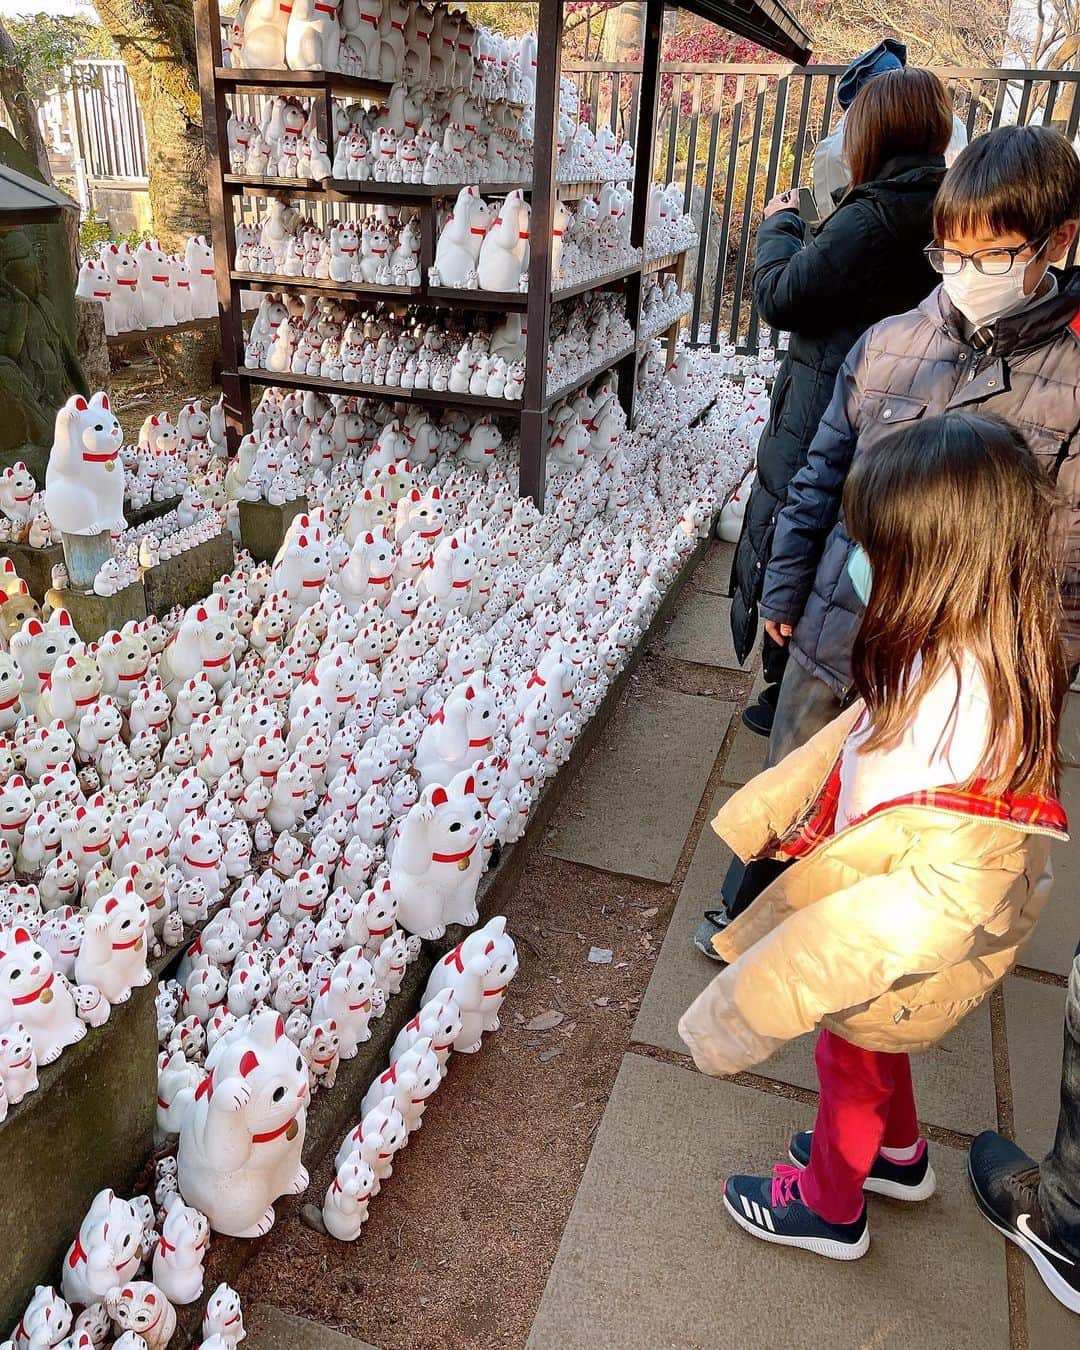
[[888, 932]]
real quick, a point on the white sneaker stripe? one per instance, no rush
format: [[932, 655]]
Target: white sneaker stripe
[[1023, 1223], [767, 1216], [757, 1213], [746, 1206]]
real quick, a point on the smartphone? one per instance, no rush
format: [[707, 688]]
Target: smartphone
[[808, 206]]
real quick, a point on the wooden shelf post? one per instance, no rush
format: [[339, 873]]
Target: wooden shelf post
[[215, 113], [533, 466], [644, 137]]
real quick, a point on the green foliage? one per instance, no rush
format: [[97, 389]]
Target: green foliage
[[46, 43], [93, 232]]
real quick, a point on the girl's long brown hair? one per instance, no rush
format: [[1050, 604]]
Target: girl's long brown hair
[[902, 112], [956, 517]]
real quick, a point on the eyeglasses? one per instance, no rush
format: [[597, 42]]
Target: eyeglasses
[[991, 262]]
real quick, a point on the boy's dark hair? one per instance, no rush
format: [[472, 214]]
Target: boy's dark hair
[[1020, 180]]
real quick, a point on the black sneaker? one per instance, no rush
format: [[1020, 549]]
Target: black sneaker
[[1006, 1185], [715, 921], [758, 716], [770, 1209], [899, 1181]]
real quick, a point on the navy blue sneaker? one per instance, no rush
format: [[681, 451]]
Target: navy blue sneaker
[[770, 1209], [899, 1181], [1006, 1185], [715, 921]]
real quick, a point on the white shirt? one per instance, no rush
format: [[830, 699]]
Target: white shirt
[[831, 174], [944, 743]]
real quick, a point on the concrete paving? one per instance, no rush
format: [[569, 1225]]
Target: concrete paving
[[701, 632], [1034, 1019], [649, 1258], [269, 1328], [641, 789], [714, 574]]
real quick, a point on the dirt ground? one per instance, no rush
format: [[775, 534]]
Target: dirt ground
[[459, 1244], [137, 389]]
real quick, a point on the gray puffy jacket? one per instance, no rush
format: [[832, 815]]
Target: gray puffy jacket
[[906, 367]]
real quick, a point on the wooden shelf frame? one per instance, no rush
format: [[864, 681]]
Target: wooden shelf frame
[[353, 190], [218, 81], [439, 297], [387, 393]]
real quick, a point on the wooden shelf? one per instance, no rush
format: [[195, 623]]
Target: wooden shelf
[[304, 81], [388, 393], [346, 189], [595, 283], [572, 192], [140, 334], [664, 261], [452, 297], [217, 81], [440, 297], [643, 342], [567, 389], [352, 190], [265, 281]]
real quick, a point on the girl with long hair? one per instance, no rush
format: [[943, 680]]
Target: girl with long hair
[[919, 822]]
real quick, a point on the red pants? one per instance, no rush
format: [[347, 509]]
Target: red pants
[[866, 1103]]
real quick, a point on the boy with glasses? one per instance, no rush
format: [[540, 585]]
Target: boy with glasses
[[1001, 334]]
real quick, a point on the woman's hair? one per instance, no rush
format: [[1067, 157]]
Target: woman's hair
[[957, 519], [903, 112]]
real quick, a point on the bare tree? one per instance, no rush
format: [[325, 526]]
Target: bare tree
[[937, 32], [1045, 33], [156, 40]]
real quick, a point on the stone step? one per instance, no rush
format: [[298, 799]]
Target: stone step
[[269, 1328], [650, 1258], [640, 790]]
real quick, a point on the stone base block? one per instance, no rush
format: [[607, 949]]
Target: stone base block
[[94, 615], [89, 1125], [188, 577], [144, 513], [262, 526], [35, 565]]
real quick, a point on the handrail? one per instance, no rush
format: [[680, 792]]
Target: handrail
[[783, 69]]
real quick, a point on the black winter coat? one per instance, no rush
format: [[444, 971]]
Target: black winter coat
[[864, 263]]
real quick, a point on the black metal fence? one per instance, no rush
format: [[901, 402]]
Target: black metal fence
[[735, 135]]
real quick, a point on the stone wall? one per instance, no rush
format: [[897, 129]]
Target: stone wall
[[39, 365]]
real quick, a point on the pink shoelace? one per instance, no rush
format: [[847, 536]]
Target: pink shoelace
[[785, 1177]]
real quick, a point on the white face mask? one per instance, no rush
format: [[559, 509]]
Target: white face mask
[[982, 299]]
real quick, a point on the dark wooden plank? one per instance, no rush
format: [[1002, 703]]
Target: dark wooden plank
[[306, 81], [265, 281], [567, 389], [388, 393], [644, 143], [596, 283], [215, 113], [148, 334], [533, 456]]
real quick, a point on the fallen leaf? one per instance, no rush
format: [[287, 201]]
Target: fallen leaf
[[601, 1002], [545, 1021], [546, 1055], [648, 913]]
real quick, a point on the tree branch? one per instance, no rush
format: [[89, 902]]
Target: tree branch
[[20, 105]]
